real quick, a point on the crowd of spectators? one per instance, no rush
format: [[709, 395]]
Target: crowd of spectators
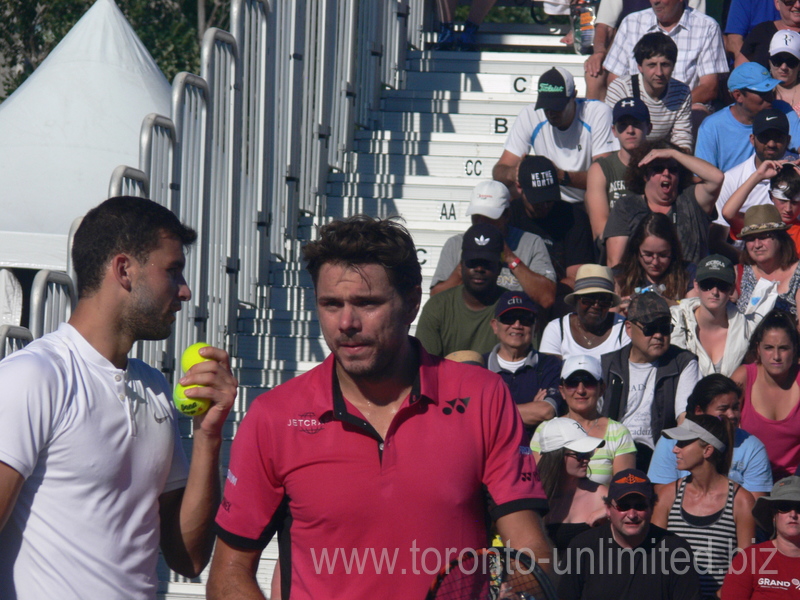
[[633, 266]]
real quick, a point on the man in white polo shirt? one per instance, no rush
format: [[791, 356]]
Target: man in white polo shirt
[[93, 477], [569, 131]]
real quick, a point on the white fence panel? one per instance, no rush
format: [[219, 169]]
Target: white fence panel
[[157, 143], [127, 181], [12, 338], [53, 298]]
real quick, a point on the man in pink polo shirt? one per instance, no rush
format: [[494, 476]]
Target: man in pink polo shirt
[[378, 466]]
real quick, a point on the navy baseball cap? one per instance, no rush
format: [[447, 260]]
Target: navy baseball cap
[[631, 107], [511, 300], [630, 481]]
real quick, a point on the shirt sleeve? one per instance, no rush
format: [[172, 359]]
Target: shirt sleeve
[[617, 61], [619, 439], [449, 258], [681, 134], [686, 382], [510, 474], [616, 92], [252, 493], [551, 338], [31, 405], [536, 255], [429, 327], [712, 54], [663, 467], [608, 13], [738, 583], [603, 140], [757, 474], [738, 18], [707, 146], [519, 138]]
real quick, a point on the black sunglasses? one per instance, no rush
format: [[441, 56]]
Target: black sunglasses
[[662, 327], [525, 318], [684, 443], [709, 284], [602, 301], [626, 505], [784, 57], [658, 167], [574, 381], [785, 506], [580, 455]]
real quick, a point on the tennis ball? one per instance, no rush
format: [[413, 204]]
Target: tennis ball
[[189, 406], [191, 356]]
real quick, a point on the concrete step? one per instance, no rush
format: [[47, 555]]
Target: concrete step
[[472, 167], [428, 214], [531, 64], [447, 102], [426, 123], [397, 186], [443, 144], [496, 83]]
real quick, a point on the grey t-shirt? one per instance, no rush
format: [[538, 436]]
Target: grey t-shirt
[[528, 247], [690, 220]]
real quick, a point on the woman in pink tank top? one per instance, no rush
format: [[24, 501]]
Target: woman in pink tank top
[[771, 407]]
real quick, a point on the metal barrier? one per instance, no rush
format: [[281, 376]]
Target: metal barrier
[[127, 181], [12, 338], [52, 299], [157, 158]]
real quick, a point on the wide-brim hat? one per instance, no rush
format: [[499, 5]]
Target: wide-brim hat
[[592, 279], [762, 218], [787, 489]]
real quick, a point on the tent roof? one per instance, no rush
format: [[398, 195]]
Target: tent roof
[[65, 130]]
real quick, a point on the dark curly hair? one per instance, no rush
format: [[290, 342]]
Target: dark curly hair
[[362, 240], [637, 176]]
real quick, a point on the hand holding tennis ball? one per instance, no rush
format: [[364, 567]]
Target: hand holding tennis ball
[[190, 406]]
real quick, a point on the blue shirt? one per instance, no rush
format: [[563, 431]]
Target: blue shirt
[[750, 466], [743, 15], [725, 142]]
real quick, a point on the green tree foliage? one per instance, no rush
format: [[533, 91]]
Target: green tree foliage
[[30, 29]]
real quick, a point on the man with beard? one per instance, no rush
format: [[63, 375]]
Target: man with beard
[[382, 451], [461, 318], [649, 380], [628, 557], [92, 471]]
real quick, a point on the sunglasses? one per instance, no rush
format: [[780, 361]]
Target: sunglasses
[[573, 381], [626, 505], [602, 301], [662, 327], [525, 318], [658, 167], [580, 455], [624, 123], [789, 3], [709, 284], [785, 506], [784, 58]]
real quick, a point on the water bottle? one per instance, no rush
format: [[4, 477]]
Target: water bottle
[[583, 14]]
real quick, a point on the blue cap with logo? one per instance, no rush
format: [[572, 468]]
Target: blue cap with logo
[[631, 107], [751, 76], [511, 300]]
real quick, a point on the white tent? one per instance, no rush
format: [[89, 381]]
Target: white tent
[[66, 128]]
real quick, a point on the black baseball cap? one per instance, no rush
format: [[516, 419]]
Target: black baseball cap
[[482, 241], [770, 118], [631, 107], [538, 179], [716, 266], [556, 88]]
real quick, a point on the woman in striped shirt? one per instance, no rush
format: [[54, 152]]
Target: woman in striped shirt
[[710, 511]]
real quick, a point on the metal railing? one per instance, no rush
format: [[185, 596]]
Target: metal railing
[[12, 338], [53, 298]]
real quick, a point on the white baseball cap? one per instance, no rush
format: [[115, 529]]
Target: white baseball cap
[[785, 40], [567, 433], [490, 199], [579, 362]]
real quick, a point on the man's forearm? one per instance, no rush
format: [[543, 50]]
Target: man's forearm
[[538, 287]]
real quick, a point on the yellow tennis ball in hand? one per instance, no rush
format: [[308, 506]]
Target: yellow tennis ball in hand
[[191, 356], [189, 406]]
